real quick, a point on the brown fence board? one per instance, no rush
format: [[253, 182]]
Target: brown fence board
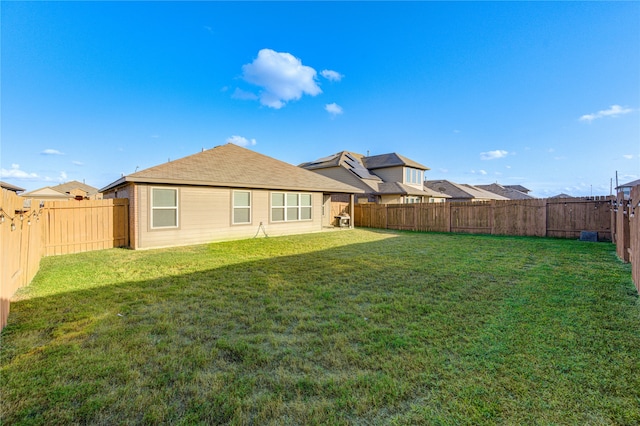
[[633, 213], [20, 248], [561, 218], [73, 227]]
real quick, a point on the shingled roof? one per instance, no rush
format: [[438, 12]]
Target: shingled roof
[[233, 166], [390, 160], [74, 184], [461, 191], [506, 191], [400, 188]]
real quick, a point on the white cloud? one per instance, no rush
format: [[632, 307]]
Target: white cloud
[[331, 75], [51, 152], [479, 172], [492, 155], [15, 173], [281, 76], [240, 141], [244, 95], [62, 177], [613, 111], [628, 156], [333, 109], [77, 163]]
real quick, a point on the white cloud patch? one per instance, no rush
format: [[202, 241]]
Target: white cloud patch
[[244, 95], [50, 151], [62, 177], [281, 76], [77, 163], [15, 173], [613, 111], [241, 141], [333, 109], [492, 155], [331, 75], [628, 156]]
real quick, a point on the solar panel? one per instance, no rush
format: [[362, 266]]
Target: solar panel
[[358, 168]]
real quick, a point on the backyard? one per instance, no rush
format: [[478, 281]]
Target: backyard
[[346, 327]]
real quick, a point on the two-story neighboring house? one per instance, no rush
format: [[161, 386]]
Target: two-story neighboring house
[[385, 179]]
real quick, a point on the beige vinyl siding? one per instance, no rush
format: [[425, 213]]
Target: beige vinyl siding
[[391, 199], [390, 174], [343, 175], [206, 216]]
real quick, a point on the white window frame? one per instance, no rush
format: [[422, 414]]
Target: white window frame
[[153, 208], [234, 207], [413, 176], [287, 206]]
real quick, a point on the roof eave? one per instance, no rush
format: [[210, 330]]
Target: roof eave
[[162, 181]]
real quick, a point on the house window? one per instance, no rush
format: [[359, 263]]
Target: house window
[[412, 175], [241, 207], [164, 208], [290, 206], [411, 200]]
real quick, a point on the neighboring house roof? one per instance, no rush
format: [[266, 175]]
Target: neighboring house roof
[[461, 191], [349, 160], [518, 188], [10, 187], [47, 193], [629, 184], [390, 160], [74, 184], [507, 191], [399, 188], [562, 195], [233, 166], [363, 168]]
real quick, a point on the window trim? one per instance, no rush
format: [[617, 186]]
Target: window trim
[[413, 176], [152, 209], [286, 207], [234, 207]]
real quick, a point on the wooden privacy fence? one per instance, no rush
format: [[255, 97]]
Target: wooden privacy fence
[[20, 248], [53, 228], [563, 218], [74, 227], [633, 214]]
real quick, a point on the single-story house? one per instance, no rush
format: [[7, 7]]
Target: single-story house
[[385, 179], [47, 193], [79, 190], [227, 192], [461, 192], [626, 188], [11, 187], [508, 191]]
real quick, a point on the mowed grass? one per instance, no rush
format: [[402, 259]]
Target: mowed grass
[[352, 327]]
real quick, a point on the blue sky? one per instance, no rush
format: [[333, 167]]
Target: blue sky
[[544, 94]]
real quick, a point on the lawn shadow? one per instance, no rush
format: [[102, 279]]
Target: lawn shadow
[[358, 332]]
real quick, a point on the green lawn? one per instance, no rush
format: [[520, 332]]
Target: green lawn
[[350, 327]]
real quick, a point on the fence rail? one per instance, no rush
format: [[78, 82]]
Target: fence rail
[[53, 228]]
